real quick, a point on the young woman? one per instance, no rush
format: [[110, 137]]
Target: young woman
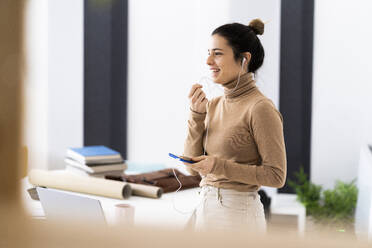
[[237, 139]]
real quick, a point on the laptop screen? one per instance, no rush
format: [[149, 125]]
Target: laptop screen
[[62, 205]]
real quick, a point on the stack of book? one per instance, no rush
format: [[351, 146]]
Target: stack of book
[[96, 161]]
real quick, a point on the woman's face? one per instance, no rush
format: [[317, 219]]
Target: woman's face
[[221, 61]]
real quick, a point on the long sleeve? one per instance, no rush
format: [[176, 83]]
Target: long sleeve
[[194, 141], [267, 130]]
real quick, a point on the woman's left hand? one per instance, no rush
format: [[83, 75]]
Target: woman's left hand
[[204, 164]]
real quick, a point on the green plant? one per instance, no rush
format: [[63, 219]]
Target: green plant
[[340, 203], [334, 206], [307, 193]]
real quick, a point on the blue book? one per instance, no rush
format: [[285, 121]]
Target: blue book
[[94, 155]]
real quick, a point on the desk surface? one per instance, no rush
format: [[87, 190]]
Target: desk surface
[[161, 212], [148, 211]]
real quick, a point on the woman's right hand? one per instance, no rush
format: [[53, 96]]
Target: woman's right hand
[[198, 101]]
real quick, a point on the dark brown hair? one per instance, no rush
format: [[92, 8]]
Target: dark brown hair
[[243, 38]]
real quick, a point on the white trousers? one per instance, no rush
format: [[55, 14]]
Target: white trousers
[[227, 209]]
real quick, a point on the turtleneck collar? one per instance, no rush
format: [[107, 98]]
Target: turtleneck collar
[[245, 85]]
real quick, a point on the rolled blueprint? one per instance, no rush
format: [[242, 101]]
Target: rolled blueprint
[[145, 190], [65, 180]]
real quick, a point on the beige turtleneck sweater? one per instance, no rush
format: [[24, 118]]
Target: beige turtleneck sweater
[[245, 135]]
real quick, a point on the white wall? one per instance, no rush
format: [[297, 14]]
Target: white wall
[[168, 42], [54, 82], [161, 70], [65, 78], [342, 88], [36, 82]]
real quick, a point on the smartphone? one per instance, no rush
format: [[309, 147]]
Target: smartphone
[[182, 158]]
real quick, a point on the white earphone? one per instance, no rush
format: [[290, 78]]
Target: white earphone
[[243, 60]]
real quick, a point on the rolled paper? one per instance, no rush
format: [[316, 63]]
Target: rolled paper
[[65, 180], [145, 190]]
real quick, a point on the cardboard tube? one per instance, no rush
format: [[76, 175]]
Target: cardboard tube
[[145, 190], [82, 184]]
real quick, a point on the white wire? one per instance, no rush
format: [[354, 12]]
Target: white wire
[[173, 201], [204, 152]]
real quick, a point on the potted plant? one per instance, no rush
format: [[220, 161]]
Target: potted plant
[[331, 209]]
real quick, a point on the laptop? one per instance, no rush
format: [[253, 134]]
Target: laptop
[[62, 205]]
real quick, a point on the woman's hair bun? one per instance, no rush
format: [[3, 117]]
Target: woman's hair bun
[[258, 26]]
